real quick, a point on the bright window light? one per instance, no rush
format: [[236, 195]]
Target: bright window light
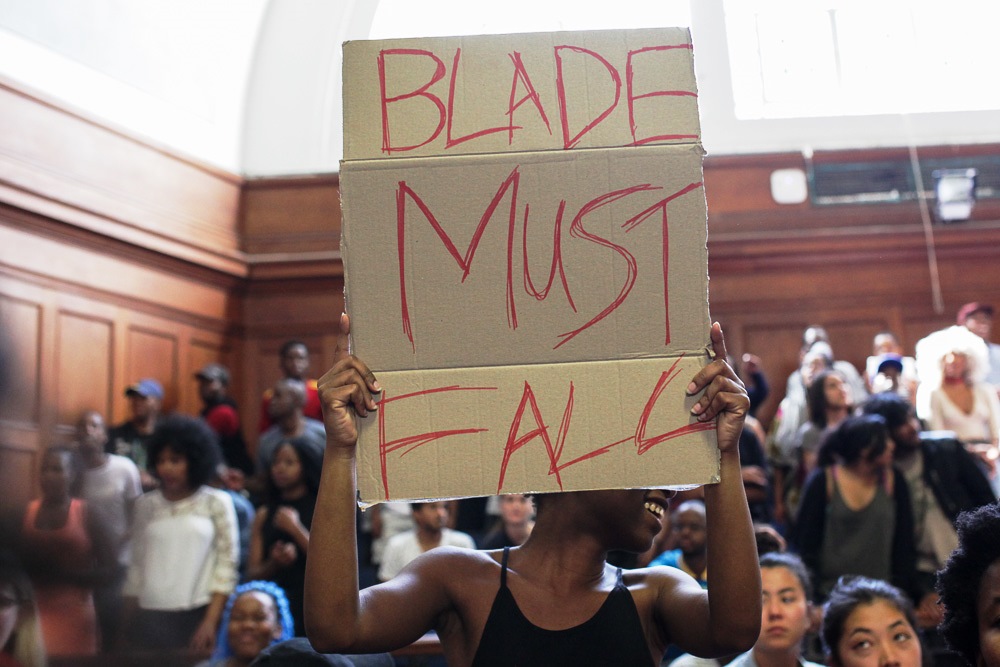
[[439, 18], [792, 58]]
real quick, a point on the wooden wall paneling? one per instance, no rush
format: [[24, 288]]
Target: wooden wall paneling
[[153, 354], [20, 409], [295, 215], [85, 367], [58, 163], [22, 321]]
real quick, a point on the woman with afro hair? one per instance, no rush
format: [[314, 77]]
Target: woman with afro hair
[[969, 586], [184, 546]]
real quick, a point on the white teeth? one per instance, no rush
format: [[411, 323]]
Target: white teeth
[[655, 509]]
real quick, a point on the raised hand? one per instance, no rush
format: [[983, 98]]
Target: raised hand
[[725, 397], [346, 391]]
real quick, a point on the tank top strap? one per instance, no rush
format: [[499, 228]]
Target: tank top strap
[[503, 568]]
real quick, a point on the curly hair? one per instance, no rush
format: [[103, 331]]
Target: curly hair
[[958, 582], [193, 439], [284, 614], [850, 593], [931, 351]]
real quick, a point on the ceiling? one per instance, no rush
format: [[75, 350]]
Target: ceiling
[[254, 86]]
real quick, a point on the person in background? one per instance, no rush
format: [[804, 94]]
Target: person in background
[[516, 521], [856, 516], [184, 546], [689, 524], [752, 374], [20, 630], [885, 346], [828, 402], [429, 532], [294, 362], [953, 396], [944, 480], [131, 438], [287, 409], [977, 317], [969, 586], [889, 376], [110, 485], [769, 540], [280, 536], [68, 554], [255, 617], [870, 623], [222, 413], [245, 512], [792, 413], [816, 335], [786, 615]]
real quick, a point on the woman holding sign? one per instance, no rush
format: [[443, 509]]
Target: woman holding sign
[[555, 600]]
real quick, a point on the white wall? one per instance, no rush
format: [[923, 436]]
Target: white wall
[[254, 86]]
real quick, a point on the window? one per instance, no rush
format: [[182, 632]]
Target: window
[[437, 18], [807, 58]]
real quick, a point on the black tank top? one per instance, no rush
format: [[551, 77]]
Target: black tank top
[[612, 636]]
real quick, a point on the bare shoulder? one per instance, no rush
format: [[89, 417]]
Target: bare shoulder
[[456, 565], [662, 587], [666, 599]]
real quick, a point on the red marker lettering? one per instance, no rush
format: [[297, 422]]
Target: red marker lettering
[[569, 142], [404, 192], [439, 72], [661, 208], [414, 441], [531, 95], [631, 97], [557, 263], [449, 141], [576, 230], [540, 431]]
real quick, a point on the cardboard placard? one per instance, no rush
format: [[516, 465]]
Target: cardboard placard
[[534, 298]]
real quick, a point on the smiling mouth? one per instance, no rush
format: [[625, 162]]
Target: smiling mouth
[[654, 508]]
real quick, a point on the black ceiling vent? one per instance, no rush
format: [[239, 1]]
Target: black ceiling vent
[[889, 181]]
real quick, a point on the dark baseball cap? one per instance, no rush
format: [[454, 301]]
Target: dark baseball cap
[[145, 387], [970, 309], [214, 371], [889, 360]]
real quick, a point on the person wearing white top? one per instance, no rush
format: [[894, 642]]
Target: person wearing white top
[[185, 549], [429, 533], [110, 484]]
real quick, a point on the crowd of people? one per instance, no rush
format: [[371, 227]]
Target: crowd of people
[[871, 498]]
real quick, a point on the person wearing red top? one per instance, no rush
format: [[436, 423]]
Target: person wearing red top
[[294, 357], [222, 414]]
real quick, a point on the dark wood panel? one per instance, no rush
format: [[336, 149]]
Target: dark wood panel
[[153, 354], [22, 321], [17, 477], [84, 359], [291, 215]]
